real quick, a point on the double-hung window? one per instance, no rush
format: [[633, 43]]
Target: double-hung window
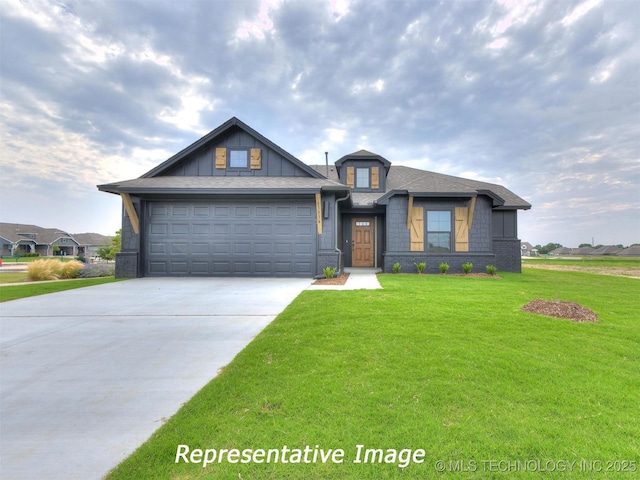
[[439, 231], [362, 178]]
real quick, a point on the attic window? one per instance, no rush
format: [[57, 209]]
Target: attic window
[[362, 178], [238, 159]]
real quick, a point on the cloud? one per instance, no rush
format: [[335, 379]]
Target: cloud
[[541, 96]]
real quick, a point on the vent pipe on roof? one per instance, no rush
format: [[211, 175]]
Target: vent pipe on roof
[[326, 159]]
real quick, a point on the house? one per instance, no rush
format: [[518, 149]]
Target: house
[[607, 250], [89, 243], [235, 203], [633, 251], [562, 251], [528, 250], [17, 239]]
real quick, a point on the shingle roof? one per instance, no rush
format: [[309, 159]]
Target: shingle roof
[[414, 181], [209, 185], [91, 239], [634, 251], [15, 232]]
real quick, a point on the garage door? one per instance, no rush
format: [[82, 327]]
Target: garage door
[[277, 238]]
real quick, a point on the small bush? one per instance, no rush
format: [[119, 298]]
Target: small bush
[[53, 270], [28, 255], [397, 267], [329, 272], [467, 267], [444, 268], [420, 266], [96, 271], [491, 270]]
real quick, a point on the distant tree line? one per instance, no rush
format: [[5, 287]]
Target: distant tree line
[[549, 247]]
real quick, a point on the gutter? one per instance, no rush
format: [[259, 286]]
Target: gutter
[[336, 231]]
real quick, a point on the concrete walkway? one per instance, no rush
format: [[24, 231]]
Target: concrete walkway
[[89, 374], [359, 278]]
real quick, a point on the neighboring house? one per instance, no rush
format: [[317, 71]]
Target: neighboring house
[[234, 203], [584, 251], [89, 243], [19, 239], [562, 251], [634, 251], [528, 250], [607, 250]]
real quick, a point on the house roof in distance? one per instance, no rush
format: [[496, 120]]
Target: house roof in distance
[[15, 232]]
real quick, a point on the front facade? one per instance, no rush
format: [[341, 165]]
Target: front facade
[[236, 204]]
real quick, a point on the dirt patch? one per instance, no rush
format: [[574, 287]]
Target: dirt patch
[[340, 280], [628, 272], [569, 310]]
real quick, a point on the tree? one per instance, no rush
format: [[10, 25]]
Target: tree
[[109, 252], [549, 247]]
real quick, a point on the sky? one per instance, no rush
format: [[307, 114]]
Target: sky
[[542, 97]]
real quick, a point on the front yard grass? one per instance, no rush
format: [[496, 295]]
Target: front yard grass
[[24, 290], [450, 365]]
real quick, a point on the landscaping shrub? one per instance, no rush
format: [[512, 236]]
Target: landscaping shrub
[[329, 272], [444, 268], [53, 270], [96, 271], [491, 270], [27, 255], [420, 266], [397, 267], [467, 267]]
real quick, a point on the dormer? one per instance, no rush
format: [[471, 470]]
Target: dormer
[[363, 171]]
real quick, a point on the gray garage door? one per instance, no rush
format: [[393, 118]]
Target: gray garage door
[[277, 238]]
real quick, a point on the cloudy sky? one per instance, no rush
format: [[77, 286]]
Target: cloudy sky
[[540, 96]]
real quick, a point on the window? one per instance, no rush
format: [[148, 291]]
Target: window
[[238, 159], [439, 231], [362, 178]]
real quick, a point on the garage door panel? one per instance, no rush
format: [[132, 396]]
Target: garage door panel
[[227, 238], [201, 229]]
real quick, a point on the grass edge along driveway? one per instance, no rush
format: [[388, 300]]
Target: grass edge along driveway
[[449, 368], [15, 292]]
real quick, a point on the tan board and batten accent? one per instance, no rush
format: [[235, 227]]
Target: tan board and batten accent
[[351, 177], [319, 213], [221, 158], [463, 222], [375, 178], [131, 212], [256, 159], [462, 229], [415, 224]]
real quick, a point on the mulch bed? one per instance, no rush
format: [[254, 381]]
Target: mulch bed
[[569, 310], [341, 280]]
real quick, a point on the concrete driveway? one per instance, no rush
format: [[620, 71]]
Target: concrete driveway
[[88, 375]]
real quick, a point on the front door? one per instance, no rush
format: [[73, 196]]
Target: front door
[[362, 233]]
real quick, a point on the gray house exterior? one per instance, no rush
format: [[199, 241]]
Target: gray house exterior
[[234, 203]]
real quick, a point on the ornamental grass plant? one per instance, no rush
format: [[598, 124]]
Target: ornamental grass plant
[[53, 270]]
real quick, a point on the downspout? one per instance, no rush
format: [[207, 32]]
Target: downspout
[[336, 230]]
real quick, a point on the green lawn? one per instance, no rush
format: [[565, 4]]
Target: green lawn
[[14, 292], [585, 261], [447, 365]]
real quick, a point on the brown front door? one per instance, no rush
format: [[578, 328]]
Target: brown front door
[[362, 233]]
